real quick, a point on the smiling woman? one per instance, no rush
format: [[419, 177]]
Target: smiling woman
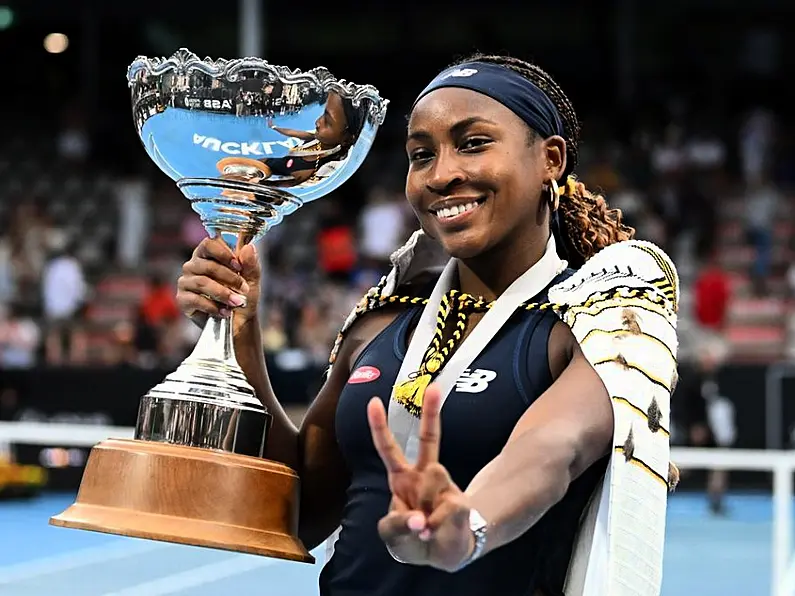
[[531, 138], [495, 419]]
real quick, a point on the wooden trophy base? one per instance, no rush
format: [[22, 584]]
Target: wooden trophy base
[[188, 495]]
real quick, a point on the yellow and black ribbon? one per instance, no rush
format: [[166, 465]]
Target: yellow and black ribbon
[[455, 306]]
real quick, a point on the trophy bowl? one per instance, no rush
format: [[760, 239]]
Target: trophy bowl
[[248, 143]]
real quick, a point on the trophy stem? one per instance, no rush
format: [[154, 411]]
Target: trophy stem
[[216, 342], [211, 372], [207, 401]]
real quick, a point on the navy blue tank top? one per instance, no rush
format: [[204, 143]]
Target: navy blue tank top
[[477, 419]]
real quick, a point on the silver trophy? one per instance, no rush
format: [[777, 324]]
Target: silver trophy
[[248, 143]]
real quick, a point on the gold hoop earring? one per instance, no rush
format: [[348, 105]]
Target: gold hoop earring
[[554, 195]]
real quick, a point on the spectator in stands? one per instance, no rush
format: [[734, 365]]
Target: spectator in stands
[[699, 213], [762, 204], [31, 239], [159, 308], [382, 228], [20, 337], [704, 413], [337, 252], [132, 197], [64, 295], [712, 292], [122, 348], [158, 315], [756, 144], [8, 282], [274, 337], [705, 151], [314, 336], [668, 156]]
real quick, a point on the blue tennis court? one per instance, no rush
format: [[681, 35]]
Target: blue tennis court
[[704, 555]]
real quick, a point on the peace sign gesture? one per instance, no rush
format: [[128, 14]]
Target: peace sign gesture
[[428, 519]]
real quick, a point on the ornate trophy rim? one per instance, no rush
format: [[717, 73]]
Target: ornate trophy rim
[[183, 61]]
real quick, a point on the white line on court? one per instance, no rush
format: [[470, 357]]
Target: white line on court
[[75, 559], [195, 577]]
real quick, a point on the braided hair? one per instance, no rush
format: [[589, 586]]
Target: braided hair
[[587, 223]]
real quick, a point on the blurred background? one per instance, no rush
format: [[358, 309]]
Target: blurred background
[[687, 127]]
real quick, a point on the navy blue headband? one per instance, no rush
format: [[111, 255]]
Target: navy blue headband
[[506, 86]]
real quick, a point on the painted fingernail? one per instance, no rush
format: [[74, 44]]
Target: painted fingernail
[[224, 312], [416, 522], [236, 265], [237, 300], [425, 535]]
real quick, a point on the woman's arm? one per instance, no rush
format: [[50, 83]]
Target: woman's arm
[[304, 135], [312, 451], [560, 435], [214, 280]]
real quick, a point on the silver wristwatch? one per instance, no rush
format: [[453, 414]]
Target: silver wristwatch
[[478, 526]]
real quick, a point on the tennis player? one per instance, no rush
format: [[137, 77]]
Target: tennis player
[[495, 419]]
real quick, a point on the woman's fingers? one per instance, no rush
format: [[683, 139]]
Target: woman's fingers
[[217, 250], [192, 303], [218, 272], [430, 432], [385, 443], [190, 288]]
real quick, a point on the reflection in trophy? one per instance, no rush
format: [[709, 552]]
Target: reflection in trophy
[[247, 143], [242, 169], [335, 133]]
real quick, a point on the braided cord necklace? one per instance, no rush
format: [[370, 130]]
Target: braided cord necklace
[[459, 306]]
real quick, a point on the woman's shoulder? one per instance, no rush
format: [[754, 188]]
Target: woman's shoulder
[[380, 304]]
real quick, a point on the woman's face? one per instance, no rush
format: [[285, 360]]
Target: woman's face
[[476, 173], [332, 127]]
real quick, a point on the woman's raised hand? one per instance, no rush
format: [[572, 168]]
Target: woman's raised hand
[[215, 280]]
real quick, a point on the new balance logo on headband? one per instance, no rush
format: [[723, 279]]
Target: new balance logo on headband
[[519, 94], [461, 72]]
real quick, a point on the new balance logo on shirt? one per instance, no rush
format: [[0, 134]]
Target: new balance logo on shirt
[[474, 381], [470, 381]]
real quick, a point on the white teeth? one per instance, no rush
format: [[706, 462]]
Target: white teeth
[[455, 210]]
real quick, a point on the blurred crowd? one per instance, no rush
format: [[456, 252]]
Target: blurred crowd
[[98, 289]]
